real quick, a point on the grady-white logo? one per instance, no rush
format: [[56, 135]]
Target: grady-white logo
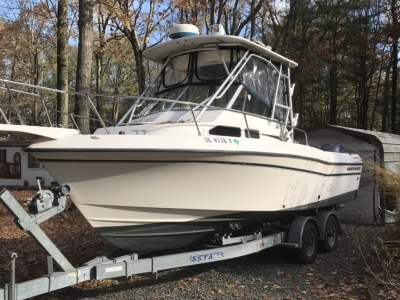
[[353, 168]]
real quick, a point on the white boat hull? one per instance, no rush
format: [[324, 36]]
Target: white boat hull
[[127, 187]]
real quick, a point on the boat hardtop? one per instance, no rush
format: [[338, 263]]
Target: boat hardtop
[[160, 52], [215, 82]]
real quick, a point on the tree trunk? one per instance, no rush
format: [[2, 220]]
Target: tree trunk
[[140, 64], [395, 60], [141, 72], [385, 111], [364, 98], [333, 94], [289, 20], [35, 73], [99, 83], [212, 12], [378, 85], [333, 80], [62, 62], [357, 98], [395, 55], [252, 21], [301, 94], [115, 109], [84, 65]]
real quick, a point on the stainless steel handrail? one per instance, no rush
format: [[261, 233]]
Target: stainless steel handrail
[[245, 114], [247, 125], [46, 111], [12, 91], [14, 103], [192, 107], [97, 114], [4, 116], [194, 119], [235, 73]]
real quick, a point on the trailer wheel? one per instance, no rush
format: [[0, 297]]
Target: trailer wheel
[[330, 243], [309, 249]]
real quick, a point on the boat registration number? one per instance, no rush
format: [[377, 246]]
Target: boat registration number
[[221, 140]]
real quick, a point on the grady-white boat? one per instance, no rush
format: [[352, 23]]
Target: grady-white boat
[[207, 150]]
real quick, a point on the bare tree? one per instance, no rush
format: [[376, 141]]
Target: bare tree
[[234, 15], [84, 66], [138, 20], [62, 61], [395, 35]]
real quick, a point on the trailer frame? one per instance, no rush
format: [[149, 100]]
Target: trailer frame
[[108, 266]]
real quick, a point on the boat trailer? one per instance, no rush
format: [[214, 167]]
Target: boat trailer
[[47, 203]]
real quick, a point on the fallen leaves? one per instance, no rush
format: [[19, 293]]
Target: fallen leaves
[[238, 295], [217, 290], [338, 275], [233, 284], [276, 287]]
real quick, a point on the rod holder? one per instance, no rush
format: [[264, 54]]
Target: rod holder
[[11, 289]]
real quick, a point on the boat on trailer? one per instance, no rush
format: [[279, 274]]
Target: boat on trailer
[[206, 152]]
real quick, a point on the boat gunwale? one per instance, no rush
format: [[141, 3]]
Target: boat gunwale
[[172, 151]]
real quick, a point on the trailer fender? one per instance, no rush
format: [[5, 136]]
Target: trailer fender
[[321, 218], [297, 227]]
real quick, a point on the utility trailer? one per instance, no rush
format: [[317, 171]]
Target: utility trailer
[[304, 234]]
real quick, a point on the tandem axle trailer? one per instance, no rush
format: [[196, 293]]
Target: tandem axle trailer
[[304, 234]]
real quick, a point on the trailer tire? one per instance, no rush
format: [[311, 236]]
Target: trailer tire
[[330, 243], [309, 249]]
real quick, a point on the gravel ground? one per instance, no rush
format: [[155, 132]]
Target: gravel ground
[[271, 274]]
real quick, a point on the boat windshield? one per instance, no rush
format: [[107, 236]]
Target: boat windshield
[[265, 88], [259, 86], [192, 77]]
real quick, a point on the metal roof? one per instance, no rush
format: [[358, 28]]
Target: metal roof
[[388, 143]]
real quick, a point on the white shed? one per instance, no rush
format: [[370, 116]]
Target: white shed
[[374, 147], [17, 167]]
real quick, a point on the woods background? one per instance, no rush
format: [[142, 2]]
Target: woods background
[[347, 51]]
